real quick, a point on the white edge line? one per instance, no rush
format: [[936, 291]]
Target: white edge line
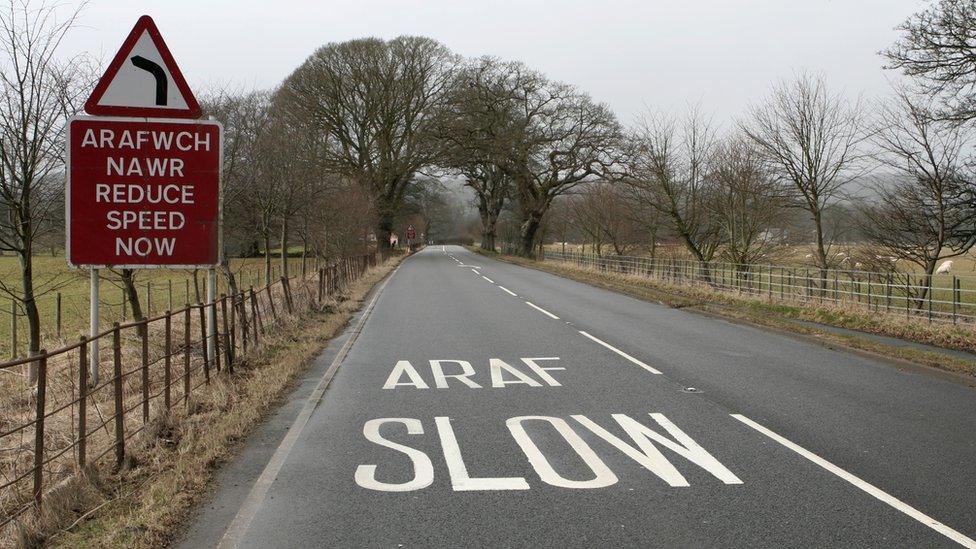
[[541, 310], [510, 292], [878, 493], [621, 353], [488, 279], [242, 520]]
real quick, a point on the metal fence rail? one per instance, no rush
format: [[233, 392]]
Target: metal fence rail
[[944, 298], [64, 424]]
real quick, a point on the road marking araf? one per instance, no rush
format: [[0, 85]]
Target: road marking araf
[[621, 353], [874, 491], [509, 292], [488, 279], [541, 310]]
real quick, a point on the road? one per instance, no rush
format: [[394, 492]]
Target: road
[[478, 403]]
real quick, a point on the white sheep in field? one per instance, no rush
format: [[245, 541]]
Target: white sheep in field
[[945, 268], [808, 256]]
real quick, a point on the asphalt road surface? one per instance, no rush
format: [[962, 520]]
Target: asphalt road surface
[[477, 403]]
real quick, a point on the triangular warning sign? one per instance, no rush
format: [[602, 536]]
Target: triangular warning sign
[[143, 80]]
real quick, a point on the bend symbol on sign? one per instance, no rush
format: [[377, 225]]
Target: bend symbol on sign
[[162, 83]]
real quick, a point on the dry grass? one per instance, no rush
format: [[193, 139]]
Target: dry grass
[[759, 310], [169, 466]]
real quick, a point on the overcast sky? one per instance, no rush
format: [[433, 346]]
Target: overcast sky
[[723, 54]]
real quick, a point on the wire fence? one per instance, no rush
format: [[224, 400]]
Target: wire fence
[[66, 422], [945, 298], [63, 312]]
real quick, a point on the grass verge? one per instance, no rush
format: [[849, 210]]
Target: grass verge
[[782, 317], [144, 504]]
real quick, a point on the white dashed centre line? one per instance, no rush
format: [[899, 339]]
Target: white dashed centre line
[[541, 310], [510, 292], [621, 353], [488, 279], [874, 491]]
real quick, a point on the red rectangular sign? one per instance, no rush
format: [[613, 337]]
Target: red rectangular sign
[[143, 193]]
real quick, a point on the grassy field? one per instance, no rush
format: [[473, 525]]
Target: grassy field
[[166, 288]]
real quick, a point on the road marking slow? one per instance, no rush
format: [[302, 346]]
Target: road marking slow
[[541, 310], [874, 491], [509, 292], [621, 353], [488, 279]]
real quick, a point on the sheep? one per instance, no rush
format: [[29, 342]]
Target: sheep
[[808, 256], [945, 268]]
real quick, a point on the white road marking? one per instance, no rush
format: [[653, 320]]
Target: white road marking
[[510, 292], [475, 271], [242, 520], [874, 491], [541, 310], [488, 279], [621, 353]]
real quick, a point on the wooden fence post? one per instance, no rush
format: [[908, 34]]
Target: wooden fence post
[[57, 316], [228, 351], [274, 311], [186, 356], [39, 429], [117, 385], [167, 363], [216, 332], [233, 328], [203, 343], [244, 321], [82, 401], [256, 316], [286, 287], [144, 329]]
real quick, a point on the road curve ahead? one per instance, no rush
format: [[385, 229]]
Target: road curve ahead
[[478, 403]]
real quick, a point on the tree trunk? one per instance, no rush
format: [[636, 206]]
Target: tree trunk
[[196, 285], [132, 296], [267, 256], [821, 249], [284, 248], [384, 228], [29, 301], [529, 229]]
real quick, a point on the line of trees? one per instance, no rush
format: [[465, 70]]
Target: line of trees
[[366, 136]]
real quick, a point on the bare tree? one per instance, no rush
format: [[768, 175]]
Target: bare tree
[[925, 212], [747, 204], [938, 50], [562, 139], [477, 127], [811, 138], [375, 102], [602, 212], [37, 94], [667, 168], [246, 119]]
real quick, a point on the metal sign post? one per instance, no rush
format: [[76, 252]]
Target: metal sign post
[[93, 329], [211, 312]]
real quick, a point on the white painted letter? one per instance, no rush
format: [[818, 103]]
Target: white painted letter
[[423, 469], [652, 458], [460, 480], [541, 371], [404, 367], [497, 365], [440, 378], [602, 475]]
